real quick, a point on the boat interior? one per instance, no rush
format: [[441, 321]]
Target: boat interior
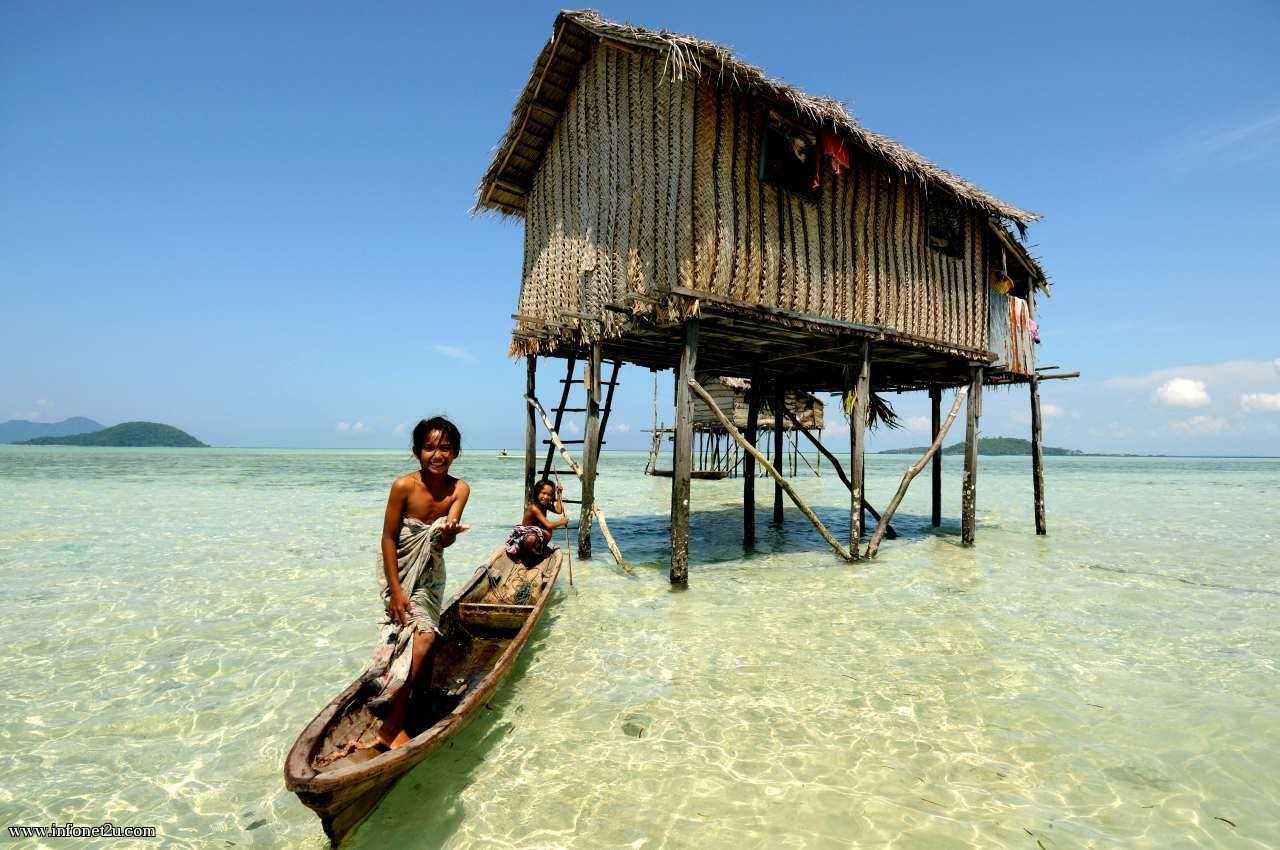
[[477, 629]]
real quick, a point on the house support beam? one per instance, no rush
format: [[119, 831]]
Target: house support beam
[[835, 462], [914, 470], [749, 461], [530, 429], [969, 491], [858, 446], [590, 451], [769, 468], [682, 456], [779, 404], [1037, 455], [935, 403]]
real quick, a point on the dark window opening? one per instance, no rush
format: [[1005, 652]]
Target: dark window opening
[[946, 226], [789, 158]]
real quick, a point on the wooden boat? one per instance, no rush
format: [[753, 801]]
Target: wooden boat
[[482, 636]]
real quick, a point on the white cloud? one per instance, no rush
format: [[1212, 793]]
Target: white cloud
[[1200, 425], [400, 427], [344, 426], [1253, 141], [572, 427], [1049, 409], [359, 428], [836, 426], [620, 427], [1113, 430], [919, 424], [44, 402], [1260, 401], [452, 351], [1182, 392], [1216, 375]]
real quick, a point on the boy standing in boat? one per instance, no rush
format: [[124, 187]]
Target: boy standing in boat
[[423, 516]]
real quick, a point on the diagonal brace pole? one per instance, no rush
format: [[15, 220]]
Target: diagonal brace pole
[[768, 467], [577, 470]]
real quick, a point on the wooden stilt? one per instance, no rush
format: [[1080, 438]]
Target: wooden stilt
[[749, 462], [682, 456], [818, 460], [969, 492], [912, 472], [769, 468], [858, 446], [590, 452], [779, 404], [1037, 455], [823, 451], [935, 402], [530, 429]]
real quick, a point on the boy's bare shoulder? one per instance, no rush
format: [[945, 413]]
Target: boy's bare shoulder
[[408, 481]]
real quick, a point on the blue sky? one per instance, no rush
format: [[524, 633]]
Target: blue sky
[[251, 220]]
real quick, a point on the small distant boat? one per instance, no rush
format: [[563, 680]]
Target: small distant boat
[[481, 639], [502, 453]]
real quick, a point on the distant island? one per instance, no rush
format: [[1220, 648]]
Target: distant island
[[19, 430], [126, 434], [989, 446]]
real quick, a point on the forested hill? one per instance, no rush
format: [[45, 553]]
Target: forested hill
[[17, 430], [133, 434], [988, 446]]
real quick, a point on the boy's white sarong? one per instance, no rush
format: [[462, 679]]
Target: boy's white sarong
[[420, 569]]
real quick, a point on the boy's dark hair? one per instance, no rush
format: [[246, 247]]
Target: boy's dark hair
[[537, 488], [436, 423]]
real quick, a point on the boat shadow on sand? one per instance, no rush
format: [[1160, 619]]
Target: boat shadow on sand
[[425, 808]]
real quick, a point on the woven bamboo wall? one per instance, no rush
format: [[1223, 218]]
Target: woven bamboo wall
[[856, 253], [609, 209]]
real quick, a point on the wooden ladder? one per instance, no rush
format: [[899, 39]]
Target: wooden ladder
[[606, 406]]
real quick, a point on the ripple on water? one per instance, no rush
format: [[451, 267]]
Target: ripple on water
[[1111, 685]]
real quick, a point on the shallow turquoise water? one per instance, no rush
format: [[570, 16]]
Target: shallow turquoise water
[[175, 617]]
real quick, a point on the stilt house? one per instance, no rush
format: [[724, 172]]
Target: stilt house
[[716, 455], [684, 210]]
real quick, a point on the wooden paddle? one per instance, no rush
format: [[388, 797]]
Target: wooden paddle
[[560, 502]]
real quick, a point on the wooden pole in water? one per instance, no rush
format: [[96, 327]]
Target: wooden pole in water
[[769, 468], [858, 446], [969, 491], [935, 402], [682, 456], [749, 462], [590, 451], [779, 404], [912, 472], [1037, 455], [530, 429], [835, 463]]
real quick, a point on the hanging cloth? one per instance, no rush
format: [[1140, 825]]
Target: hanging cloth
[[834, 151]]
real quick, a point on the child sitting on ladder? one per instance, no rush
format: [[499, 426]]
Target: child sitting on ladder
[[531, 540]]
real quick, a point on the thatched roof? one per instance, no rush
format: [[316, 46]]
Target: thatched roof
[[508, 177]]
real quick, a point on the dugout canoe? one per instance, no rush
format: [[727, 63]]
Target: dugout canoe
[[481, 638]]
